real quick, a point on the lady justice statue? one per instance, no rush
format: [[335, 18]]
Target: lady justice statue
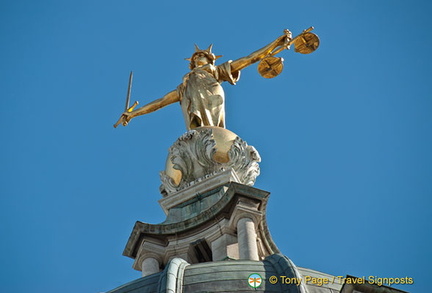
[[201, 95], [207, 149]]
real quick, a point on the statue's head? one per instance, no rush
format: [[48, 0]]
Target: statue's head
[[202, 57]]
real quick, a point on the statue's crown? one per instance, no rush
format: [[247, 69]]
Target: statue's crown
[[208, 52]]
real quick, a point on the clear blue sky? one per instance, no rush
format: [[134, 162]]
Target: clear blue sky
[[344, 133]]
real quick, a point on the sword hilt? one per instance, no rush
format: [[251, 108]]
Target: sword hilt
[[122, 117], [130, 109]]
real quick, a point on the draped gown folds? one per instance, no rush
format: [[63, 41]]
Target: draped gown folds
[[202, 97]]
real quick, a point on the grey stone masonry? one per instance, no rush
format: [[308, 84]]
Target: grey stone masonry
[[221, 276], [226, 222], [247, 239]]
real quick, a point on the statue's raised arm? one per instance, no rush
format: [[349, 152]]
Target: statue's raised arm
[[201, 95], [278, 45]]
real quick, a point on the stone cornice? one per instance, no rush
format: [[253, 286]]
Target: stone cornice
[[221, 209]]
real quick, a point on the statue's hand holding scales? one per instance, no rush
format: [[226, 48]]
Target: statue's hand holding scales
[[201, 95]]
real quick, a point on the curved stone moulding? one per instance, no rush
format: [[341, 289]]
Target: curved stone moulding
[[193, 154]]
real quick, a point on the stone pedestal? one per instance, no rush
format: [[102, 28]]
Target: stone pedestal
[[204, 152]]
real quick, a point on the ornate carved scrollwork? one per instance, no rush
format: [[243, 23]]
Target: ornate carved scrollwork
[[193, 155]]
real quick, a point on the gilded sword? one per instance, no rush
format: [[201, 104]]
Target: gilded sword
[[127, 108]]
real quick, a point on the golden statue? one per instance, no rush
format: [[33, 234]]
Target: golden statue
[[201, 95]]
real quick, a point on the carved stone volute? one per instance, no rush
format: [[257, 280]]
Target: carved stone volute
[[207, 151]]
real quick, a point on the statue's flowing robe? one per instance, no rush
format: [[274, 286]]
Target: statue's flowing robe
[[202, 97]]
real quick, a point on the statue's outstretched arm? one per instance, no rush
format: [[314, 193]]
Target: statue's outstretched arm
[[166, 100], [258, 55]]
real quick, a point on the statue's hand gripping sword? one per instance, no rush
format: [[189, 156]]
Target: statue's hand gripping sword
[[122, 119]]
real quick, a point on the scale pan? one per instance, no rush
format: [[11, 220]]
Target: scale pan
[[270, 66], [306, 43]]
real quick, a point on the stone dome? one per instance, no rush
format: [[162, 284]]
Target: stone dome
[[230, 276]]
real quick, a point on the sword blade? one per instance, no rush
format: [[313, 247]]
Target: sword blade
[[128, 94]]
